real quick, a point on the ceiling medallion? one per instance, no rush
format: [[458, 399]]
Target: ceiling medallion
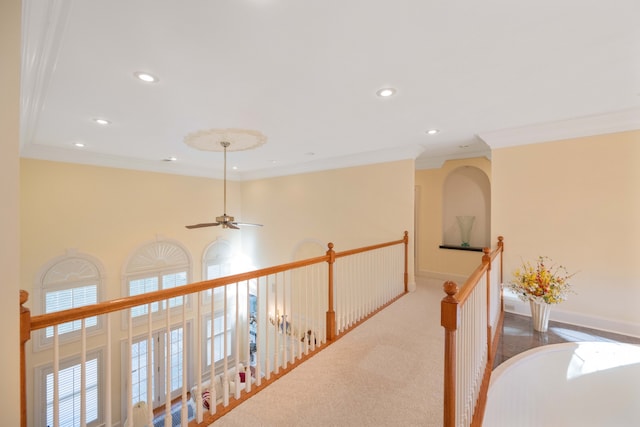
[[238, 139]]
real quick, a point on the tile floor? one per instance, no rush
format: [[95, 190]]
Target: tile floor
[[518, 336]]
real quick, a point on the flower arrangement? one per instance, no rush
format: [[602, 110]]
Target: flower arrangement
[[541, 283]]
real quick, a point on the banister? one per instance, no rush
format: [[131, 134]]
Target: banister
[[451, 311], [32, 323], [45, 320]]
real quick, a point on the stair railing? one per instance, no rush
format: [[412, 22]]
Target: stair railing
[[301, 308], [472, 317]]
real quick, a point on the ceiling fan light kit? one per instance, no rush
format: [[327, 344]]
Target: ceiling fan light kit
[[225, 140]]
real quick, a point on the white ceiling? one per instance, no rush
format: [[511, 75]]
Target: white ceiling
[[305, 74]]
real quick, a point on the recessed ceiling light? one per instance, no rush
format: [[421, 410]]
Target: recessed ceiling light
[[103, 122], [386, 92], [78, 144], [170, 159], [432, 131], [235, 168], [145, 77], [463, 146]]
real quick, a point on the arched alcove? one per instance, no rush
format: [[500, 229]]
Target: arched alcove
[[466, 192]]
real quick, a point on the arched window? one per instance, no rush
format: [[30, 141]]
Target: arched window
[[70, 281], [157, 265], [161, 264], [217, 260]]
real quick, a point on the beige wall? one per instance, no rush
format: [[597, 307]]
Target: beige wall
[[9, 208], [108, 213], [578, 202], [350, 207], [431, 260]]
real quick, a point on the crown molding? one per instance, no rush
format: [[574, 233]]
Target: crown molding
[[353, 160], [619, 121], [423, 163], [43, 29]]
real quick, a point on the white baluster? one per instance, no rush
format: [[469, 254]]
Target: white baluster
[[236, 377], [259, 338], [212, 373], [225, 367], [185, 355], [267, 350], [129, 364], [56, 379], [150, 398], [83, 374], [167, 344], [247, 369], [199, 358], [107, 373]]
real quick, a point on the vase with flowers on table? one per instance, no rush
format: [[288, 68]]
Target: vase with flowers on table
[[542, 284]]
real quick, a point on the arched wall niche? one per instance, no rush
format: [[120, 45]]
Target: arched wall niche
[[466, 192]]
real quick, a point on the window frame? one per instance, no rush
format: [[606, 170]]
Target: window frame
[[42, 288], [158, 359], [40, 379], [156, 258], [231, 356]]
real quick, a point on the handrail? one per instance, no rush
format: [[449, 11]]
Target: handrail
[[30, 323], [469, 350], [45, 320]]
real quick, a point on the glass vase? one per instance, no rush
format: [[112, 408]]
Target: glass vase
[[465, 223]]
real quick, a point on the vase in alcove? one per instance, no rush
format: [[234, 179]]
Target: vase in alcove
[[466, 224], [540, 315]]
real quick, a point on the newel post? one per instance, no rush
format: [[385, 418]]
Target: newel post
[[406, 261], [25, 334], [331, 314], [449, 320]]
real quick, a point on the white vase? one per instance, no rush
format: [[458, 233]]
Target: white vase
[[540, 315]]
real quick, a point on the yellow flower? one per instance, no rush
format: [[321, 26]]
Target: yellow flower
[[541, 283]]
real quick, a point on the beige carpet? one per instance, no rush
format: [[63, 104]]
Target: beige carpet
[[386, 372]]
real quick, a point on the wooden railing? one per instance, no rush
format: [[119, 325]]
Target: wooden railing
[[300, 307], [471, 317]]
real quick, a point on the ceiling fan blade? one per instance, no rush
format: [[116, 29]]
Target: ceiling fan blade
[[232, 225], [248, 224], [207, 224]]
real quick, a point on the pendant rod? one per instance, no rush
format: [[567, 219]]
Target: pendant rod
[[225, 144]]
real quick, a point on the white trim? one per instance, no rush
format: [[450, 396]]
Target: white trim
[[39, 411], [43, 28], [40, 342], [358, 159], [619, 121], [423, 163], [125, 364], [512, 304]]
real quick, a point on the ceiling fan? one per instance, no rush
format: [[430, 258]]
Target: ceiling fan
[[226, 221]]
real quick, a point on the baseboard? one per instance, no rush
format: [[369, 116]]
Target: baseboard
[[512, 304]]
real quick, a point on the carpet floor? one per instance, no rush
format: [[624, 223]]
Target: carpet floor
[[386, 372]]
